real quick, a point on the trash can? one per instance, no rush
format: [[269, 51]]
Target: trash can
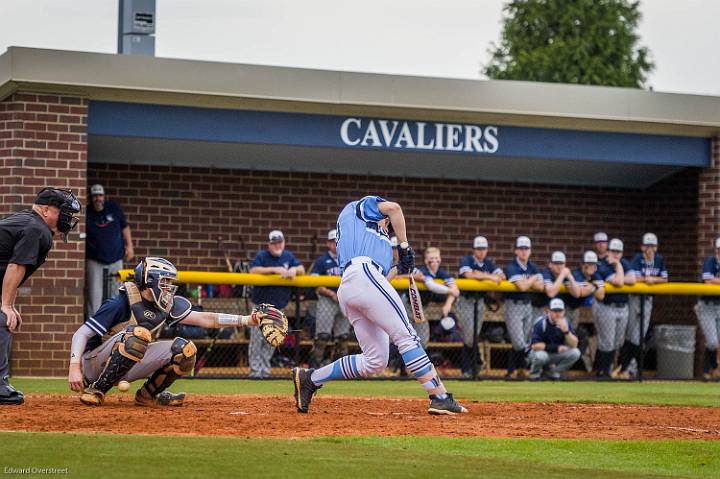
[[675, 351]]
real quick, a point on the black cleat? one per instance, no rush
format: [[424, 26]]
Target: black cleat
[[304, 388], [165, 398], [11, 396], [448, 406]]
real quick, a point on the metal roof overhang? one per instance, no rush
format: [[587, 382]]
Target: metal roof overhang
[[211, 85]]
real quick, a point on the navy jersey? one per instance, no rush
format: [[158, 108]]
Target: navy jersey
[[428, 296], [516, 272], [596, 279], [545, 332], [606, 272], [711, 270], [359, 234], [326, 265], [278, 296], [105, 243], [639, 266], [542, 300], [116, 311], [470, 263]]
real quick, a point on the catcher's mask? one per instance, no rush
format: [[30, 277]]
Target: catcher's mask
[[158, 275], [66, 202]]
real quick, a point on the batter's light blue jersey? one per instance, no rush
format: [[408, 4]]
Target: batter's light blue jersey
[[358, 233]]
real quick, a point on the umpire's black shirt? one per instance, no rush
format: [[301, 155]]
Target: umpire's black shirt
[[24, 239]]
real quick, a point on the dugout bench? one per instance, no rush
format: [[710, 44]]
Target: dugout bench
[[229, 355]]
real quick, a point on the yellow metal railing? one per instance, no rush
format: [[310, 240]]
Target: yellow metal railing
[[308, 281]]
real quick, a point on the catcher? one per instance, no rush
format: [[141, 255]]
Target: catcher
[[118, 341]]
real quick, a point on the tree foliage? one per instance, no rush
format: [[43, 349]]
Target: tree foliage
[[592, 42]]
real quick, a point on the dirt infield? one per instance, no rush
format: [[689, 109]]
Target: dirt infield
[[275, 417]]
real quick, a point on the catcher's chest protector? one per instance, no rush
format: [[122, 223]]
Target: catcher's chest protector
[[141, 314]]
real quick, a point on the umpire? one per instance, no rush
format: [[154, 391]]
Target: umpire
[[25, 240]]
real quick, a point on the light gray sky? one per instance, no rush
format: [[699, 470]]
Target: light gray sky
[[413, 37]]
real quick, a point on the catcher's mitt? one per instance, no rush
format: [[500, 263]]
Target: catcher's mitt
[[273, 323]]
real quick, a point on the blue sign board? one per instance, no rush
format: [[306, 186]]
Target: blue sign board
[[387, 134]]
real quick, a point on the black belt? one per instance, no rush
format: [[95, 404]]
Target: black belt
[[377, 266]]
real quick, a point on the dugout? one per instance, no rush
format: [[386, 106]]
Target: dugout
[[193, 150]]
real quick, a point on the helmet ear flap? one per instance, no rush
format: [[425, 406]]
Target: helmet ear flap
[[140, 275]]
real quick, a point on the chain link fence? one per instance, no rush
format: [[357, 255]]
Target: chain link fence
[[629, 337]]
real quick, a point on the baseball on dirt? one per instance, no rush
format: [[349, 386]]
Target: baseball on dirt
[[123, 386]]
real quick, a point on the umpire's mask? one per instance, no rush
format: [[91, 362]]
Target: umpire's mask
[[68, 204]]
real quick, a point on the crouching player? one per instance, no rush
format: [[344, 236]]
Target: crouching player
[[118, 341]]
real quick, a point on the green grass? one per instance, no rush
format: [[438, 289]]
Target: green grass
[[652, 393], [106, 456], [118, 456]]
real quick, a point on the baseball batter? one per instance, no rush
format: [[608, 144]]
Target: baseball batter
[[373, 307], [118, 341], [708, 314]]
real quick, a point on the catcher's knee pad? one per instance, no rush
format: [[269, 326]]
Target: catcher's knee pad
[[134, 343], [181, 362], [127, 352], [183, 356]]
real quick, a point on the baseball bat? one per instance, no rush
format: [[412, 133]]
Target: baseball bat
[[415, 303]]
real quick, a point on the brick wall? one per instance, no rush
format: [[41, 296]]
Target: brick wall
[[43, 142], [709, 204], [179, 212]]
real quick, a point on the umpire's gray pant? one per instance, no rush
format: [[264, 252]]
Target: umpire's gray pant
[[422, 329], [259, 354], [329, 319], [708, 315], [465, 315], [95, 277], [5, 346], [519, 320], [610, 324], [158, 355], [632, 333]]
